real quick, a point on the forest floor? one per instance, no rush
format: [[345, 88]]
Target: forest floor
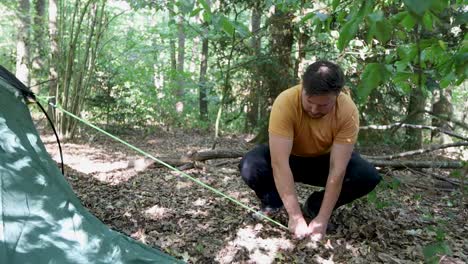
[[410, 218]]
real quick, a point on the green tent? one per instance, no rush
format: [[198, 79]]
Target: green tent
[[41, 219]]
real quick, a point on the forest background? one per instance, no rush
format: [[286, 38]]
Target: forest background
[[215, 67]]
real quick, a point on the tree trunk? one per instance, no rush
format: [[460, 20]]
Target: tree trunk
[[179, 91], [417, 102], [280, 69], [54, 54], [203, 89], [39, 28], [443, 107], [23, 43], [415, 116], [255, 89], [301, 44], [172, 45]]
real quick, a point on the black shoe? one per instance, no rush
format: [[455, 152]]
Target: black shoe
[[267, 211]]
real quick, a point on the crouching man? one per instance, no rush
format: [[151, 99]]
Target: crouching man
[[312, 131]]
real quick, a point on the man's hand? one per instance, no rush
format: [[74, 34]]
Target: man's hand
[[317, 228], [298, 227]]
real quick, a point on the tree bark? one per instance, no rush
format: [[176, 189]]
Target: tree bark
[[417, 102], [40, 52], [23, 43], [53, 55], [280, 70], [172, 45], [255, 89], [203, 89], [302, 40], [443, 107], [142, 164], [180, 91], [416, 152]]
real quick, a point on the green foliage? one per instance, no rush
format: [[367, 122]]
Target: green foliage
[[374, 75], [435, 250], [374, 41]]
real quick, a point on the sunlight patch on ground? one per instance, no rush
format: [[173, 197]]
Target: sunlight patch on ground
[[157, 212], [102, 165], [260, 250]]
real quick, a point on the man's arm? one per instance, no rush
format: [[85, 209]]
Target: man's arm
[[280, 149], [339, 158]]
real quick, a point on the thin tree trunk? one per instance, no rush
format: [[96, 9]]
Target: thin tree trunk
[[23, 43], [203, 102], [280, 69], [301, 44], [179, 91], [54, 54], [78, 89], [37, 63], [88, 67], [68, 98], [417, 103], [172, 45], [253, 106]]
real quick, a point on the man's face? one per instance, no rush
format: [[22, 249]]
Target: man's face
[[317, 106]]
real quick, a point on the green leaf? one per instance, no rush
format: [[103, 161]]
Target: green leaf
[[307, 17], [185, 6], [347, 33], [442, 44], [207, 17], [376, 16], [408, 22], [427, 21], [419, 7], [371, 32], [447, 80], [335, 4], [374, 75], [227, 26], [365, 9], [242, 29], [195, 12], [401, 65], [383, 31], [205, 5]]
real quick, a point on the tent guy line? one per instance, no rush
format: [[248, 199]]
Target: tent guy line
[[232, 199]]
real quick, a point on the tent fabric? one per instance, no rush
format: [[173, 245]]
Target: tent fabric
[[41, 218]]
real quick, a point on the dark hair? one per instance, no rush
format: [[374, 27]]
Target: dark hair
[[323, 77]]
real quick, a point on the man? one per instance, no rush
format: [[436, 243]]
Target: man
[[312, 131]]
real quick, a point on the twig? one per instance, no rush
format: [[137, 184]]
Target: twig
[[416, 152], [417, 164], [398, 125], [438, 177]]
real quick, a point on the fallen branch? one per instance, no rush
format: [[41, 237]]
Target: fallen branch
[[433, 128], [436, 176], [417, 164], [142, 164], [416, 152]]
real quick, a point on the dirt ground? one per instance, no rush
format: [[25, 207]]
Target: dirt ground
[[411, 217]]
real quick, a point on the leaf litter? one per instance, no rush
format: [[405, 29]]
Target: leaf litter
[[398, 223]]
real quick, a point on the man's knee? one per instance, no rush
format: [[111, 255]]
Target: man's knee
[[254, 166], [373, 177], [365, 174], [247, 171]]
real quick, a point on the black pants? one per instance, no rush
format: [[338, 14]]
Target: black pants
[[255, 168]]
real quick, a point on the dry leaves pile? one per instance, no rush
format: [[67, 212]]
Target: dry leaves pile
[[407, 220]]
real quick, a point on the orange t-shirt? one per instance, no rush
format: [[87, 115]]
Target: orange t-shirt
[[313, 137]]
